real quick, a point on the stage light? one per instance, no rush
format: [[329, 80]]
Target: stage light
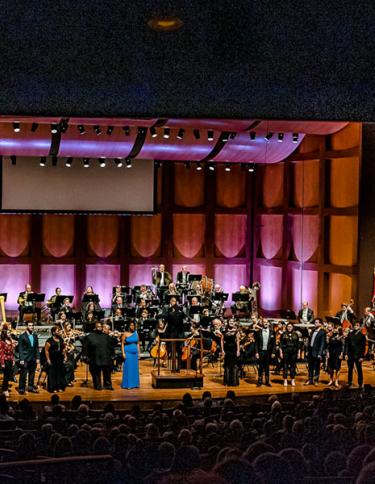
[[227, 167], [232, 135], [86, 162], [102, 162], [224, 137], [199, 166], [54, 128], [97, 130], [118, 162], [128, 162], [268, 136], [187, 164], [196, 133], [142, 130], [167, 132], [109, 130], [210, 135], [253, 135], [295, 137], [165, 24], [34, 127], [69, 161], [43, 161], [153, 132], [251, 168], [54, 160], [81, 129], [63, 126], [180, 133], [280, 137], [16, 127], [212, 166], [126, 130], [13, 159]]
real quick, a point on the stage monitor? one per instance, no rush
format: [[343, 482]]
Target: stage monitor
[[28, 187]]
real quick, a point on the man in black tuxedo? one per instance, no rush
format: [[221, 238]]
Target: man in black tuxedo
[[264, 351], [316, 346], [183, 276], [28, 347], [305, 314], [355, 347], [98, 349], [174, 319]]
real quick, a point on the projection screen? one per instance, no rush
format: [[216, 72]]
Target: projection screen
[[28, 187]]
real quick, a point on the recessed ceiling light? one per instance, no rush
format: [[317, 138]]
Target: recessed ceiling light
[[165, 24]]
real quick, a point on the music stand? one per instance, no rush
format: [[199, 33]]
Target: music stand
[[333, 319], [168, 297], [60, 299], [129, 312], [124, 290], [288, 314], [220, 296], [34, 298], [189, 297], [238, 296], [90, 298]]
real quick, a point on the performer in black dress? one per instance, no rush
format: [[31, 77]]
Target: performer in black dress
[[289, 345], [231, 352], [55, 356], [335, 353]]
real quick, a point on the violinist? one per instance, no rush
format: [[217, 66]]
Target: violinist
[[289, 347], [61, 319]]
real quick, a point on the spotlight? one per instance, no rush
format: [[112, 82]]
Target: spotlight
[[268, 136], [232, 135], [69, 161], [109, 130], [43, 161], [167, 132], [212, 166], [63, 126], [253, 135], [128, 162], [102, 162], [34, 127], [118, 162], [13, 159], [196, 133], [251, 168], [97, 130], [54, 128], [199, 166], [54, 160], [210, 135], [153, 132], [187, 164], [86, 162], [142, 130], [227, 167], [180, 133], [224, 137], [295, 138], [81, 129], [280, 137], [126, 130], [16, 127]]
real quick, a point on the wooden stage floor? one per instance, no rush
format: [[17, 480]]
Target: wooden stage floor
[[213, 382]]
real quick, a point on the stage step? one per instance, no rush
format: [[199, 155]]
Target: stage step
[[183, 379]]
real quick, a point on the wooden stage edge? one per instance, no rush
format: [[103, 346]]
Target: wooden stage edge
[[213, 382]]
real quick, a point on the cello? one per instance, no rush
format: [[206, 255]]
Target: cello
[[345, 322]]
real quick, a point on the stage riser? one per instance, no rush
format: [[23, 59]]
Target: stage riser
[[176, 381]]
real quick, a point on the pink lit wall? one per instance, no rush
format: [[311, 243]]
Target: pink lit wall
[[103, 277], [192, 268], [58, 275], [13, 278], [230, 277], [140, 274], [271, 286], [304, 288]]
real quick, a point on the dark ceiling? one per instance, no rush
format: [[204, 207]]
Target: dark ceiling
[[309, 59]]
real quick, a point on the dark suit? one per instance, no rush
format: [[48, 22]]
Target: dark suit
[[315, 353], [28, 354], [98, 347], [355, 347], [264, 354], [310, 314], [158, 278], [180, 278]]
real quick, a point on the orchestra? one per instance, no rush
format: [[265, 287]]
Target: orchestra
[[191, 309]]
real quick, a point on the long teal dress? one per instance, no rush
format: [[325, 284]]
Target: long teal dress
[[130, 375]]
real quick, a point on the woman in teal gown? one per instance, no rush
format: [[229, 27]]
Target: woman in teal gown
[[130, 353]]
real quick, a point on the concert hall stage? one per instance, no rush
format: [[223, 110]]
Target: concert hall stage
[[146, 394]]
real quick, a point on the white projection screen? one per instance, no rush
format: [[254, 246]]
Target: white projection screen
[[28, 187]]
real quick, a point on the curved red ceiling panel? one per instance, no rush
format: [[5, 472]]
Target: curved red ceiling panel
[[306, 127], [26, 142]]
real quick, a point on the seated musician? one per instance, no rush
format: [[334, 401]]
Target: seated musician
[[61, 318], [90, 292], [172, 291], [183, 276], [346, 314], [118, 315], [66, 306], [305, 314], [116, 294], [242, 308], [118, 304], [26, 306], [142, 304], [161, 278], [51, 303], [195, 308]]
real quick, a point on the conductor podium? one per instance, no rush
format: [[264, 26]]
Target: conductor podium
[[179, 350]]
